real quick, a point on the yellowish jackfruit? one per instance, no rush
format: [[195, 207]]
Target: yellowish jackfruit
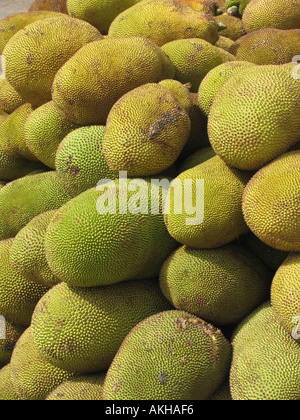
[[194, 58], [81, 329], [224, 43], [89, 84], [12, 334], [233, 26], [10, 100], [172, 355], [146, 131], [32, 377], [37, 52], [267, 46], [198, 224], [180, 91], [220, 285], [44, 131], [18, 295], [215, 79], [116, 236], [79, 388], [163, 21], [7, 391], [52, 5], [247, 123], [285, 295], [197, 158], [79, 162], [204, 6], [282, 14], [265, 363], [270, 203], [33, 265], [23, 199]]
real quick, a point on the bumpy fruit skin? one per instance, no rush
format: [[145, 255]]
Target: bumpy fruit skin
[[7, 391], [204, 6], [215, 79], [52, 5], [223, 190], [88, 85], [80, 388], [197, 158], [172, 355], [265, 364], [222, 393], [13, 333], [194, 58], [247, 120], [10, 100], [220, 285], [33, 378], [23, 199], [81, 329], [233, 26], [169, 20], [12, 168], [18, 296], [33, 265], [267, 46], [79, 161], [282, 14], [270, 203], [42, 48], [12, 24], [285, 295], [44, 131], [146, 131], [224, 43], [113, 244]]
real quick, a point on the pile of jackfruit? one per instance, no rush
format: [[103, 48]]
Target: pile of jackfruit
[[150, 200]]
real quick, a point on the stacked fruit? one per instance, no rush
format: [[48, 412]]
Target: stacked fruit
[[150, 200]]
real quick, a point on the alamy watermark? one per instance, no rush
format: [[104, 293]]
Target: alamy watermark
[[155, 196], [296, 329], [2, 67], [296, 69], [2, 328]]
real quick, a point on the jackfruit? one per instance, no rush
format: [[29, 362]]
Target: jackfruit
[[236, 7], [233, 26], [12, 138], [285, 295], [12, 167], [171, 355], [215, 79], [37, 52], [195, 221], [271, 206], [264, 98], [80, 388], [272, 257], [265, 363], [205, 6], [18, 296], [44, 131], [194, 58], [89, 84], [181, 92], [224, 43], [81, 329], [12, 334], [220, 285], [12, 24], [197, 158], [23, 199], [116, 227], [7, 391], [53, 5], [79, 162], [222, 393], [33, 265], [282, 14], [163, 21], [33, 378], [10, 100], [146, 131], [267, 46]]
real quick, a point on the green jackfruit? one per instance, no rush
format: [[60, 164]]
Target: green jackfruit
[[10, 100], [41, 48], [233, 26], [18, 296], [89, 84], [7, 391], [116, 236], [169, 356], [80, 388], [13, 167], [265, 364], [264, 98], [33, 378], [23, 199], [163, 21], [236, 7], [197, 158], [194, 58], [220, 285], [270, 203], [12, 334], [44, 131], [81, 329]]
